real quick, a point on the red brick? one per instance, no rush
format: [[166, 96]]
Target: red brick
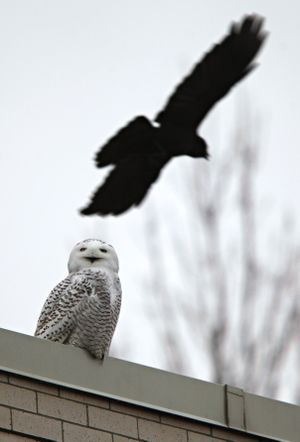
[[62, 408], [35, 425], [17, 397], [111, 421]]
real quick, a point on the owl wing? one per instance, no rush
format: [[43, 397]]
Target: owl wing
[[58, 316]]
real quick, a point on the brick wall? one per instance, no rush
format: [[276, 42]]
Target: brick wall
[[32, 410]]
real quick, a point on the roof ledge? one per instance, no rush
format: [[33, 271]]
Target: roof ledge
[[221, 405]]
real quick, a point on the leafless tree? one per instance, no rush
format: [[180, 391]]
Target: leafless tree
[[234, 301]]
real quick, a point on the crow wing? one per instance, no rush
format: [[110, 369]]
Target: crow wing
[[138, 159], [220, 69], [136, 137], [127, 184]]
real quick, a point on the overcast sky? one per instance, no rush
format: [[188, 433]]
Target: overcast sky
[[72, 73]]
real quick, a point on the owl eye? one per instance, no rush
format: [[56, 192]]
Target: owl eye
[[103, 250], [82, 249]]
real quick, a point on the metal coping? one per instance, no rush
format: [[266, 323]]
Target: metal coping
[[221, 405]]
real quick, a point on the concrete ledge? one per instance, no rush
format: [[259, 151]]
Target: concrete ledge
[[225, 406]]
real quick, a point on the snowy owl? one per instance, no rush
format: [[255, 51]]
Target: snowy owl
[[141, 149], [83, 309]]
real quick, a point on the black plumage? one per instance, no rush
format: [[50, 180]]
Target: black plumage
[[140, 150]]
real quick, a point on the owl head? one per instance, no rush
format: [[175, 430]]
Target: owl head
[[93, 253]]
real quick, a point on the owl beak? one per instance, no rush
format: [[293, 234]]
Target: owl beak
[[92, 259]]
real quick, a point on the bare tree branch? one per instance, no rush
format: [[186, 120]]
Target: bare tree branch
[[235, 309]]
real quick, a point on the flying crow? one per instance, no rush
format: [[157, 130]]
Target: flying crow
[[140, 150]]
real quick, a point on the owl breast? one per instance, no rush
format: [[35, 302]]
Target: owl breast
[[97, 315]]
